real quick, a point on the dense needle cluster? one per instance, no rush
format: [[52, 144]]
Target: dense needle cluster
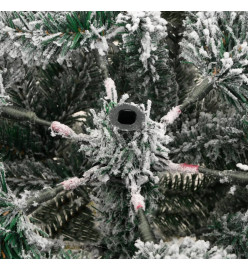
[[88, 173]]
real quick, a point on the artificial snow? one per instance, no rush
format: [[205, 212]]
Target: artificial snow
[[227, 61], [60, 129], [3, 94], [232, 190], [184, 248], [110, 90], [2, 90], [183, 168], [242, 166], [146, 52], [138, 201], [153, 31], [71, 183], [172, 115], [207, 53], [101, 44]]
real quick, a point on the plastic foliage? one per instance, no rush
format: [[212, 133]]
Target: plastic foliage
[[184, 248], [215, 43], [41, 37]]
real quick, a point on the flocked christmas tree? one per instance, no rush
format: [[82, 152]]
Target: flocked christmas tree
[[122, 134]]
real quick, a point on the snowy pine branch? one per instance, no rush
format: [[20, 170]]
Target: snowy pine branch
[[186, 248], [230, 231], [145, 60], [213, 139], [215, 42], [40, 37]]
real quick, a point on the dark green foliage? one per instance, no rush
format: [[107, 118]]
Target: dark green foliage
[[67, 215], [55, 93], [215, 43], [216, 140], [67, 90], [17, 140], [139, 83], [187, 202], [64, 215], [185, 74], [57, 81], [29, 174], [232, 202], [13, 241], [73, 254], [116, 221], [231, 231], [59, 32], [59, 91]]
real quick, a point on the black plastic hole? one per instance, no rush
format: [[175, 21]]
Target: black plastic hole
[[127, 117]]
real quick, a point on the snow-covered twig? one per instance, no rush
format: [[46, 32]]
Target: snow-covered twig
[[60, 129], [172, 115], [71, 183], [138, 201], [183, 168], [234, 177], [199, 92], [110, 90]]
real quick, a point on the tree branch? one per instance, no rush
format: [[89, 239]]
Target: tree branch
[[47, 194], [233, 177], [198, 93], [101, 62], [144, 227], [23, 115]]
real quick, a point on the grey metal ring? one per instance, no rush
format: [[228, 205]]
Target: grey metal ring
[[127, 117]]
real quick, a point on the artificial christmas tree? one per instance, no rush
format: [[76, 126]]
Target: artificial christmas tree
[[123, 171]]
